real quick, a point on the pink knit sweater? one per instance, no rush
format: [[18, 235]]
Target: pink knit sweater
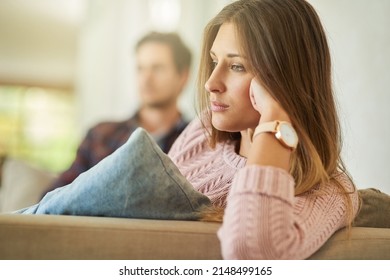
[[263, 219]]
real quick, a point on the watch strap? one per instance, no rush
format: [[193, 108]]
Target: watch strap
[[266, 127]]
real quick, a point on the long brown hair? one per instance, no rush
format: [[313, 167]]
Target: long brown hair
[[286, 47]]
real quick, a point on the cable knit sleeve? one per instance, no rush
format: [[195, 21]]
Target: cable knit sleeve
[[264, 220]]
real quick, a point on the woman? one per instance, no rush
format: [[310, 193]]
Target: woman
[[268, 134]]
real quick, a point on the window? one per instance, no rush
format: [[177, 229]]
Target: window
[[38, 126]]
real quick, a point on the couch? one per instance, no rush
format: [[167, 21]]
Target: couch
[[78, 237], [75, 237]]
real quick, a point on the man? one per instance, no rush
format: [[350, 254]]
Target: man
[[162, 72]]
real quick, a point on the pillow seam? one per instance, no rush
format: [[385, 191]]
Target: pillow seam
[[165, 168]]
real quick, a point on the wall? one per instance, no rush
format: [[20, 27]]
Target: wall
[[359, 38], [38, 42]]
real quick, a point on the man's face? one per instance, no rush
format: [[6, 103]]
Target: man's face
[[159, 82]]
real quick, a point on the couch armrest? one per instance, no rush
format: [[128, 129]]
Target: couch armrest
[[362, 243], [74, 237]]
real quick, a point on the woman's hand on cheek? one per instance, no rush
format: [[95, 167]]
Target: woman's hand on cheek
[[265, 104], [258, 95]]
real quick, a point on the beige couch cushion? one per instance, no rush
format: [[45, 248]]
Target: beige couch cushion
[[22, 185]]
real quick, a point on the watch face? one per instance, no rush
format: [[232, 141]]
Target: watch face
[[288, 135]]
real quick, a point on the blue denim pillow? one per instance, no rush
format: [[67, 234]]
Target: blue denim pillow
[[137, 181]]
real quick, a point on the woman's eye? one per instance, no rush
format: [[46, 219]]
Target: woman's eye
[[238, 68]]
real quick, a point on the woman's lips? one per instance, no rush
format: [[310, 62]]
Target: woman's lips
[[218, 107]]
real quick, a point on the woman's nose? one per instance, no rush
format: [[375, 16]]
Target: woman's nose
[[215, 82]]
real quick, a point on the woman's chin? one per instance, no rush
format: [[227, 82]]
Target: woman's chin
[[222, 127]]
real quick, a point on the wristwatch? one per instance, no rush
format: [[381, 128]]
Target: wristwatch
[[283, 131]]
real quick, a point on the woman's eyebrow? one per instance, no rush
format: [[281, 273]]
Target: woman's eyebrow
[[230, 55], [233, 55]]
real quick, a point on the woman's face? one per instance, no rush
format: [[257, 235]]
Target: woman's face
[[228, 85]]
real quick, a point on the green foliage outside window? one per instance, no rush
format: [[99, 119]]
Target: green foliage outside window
[[38, 126]]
